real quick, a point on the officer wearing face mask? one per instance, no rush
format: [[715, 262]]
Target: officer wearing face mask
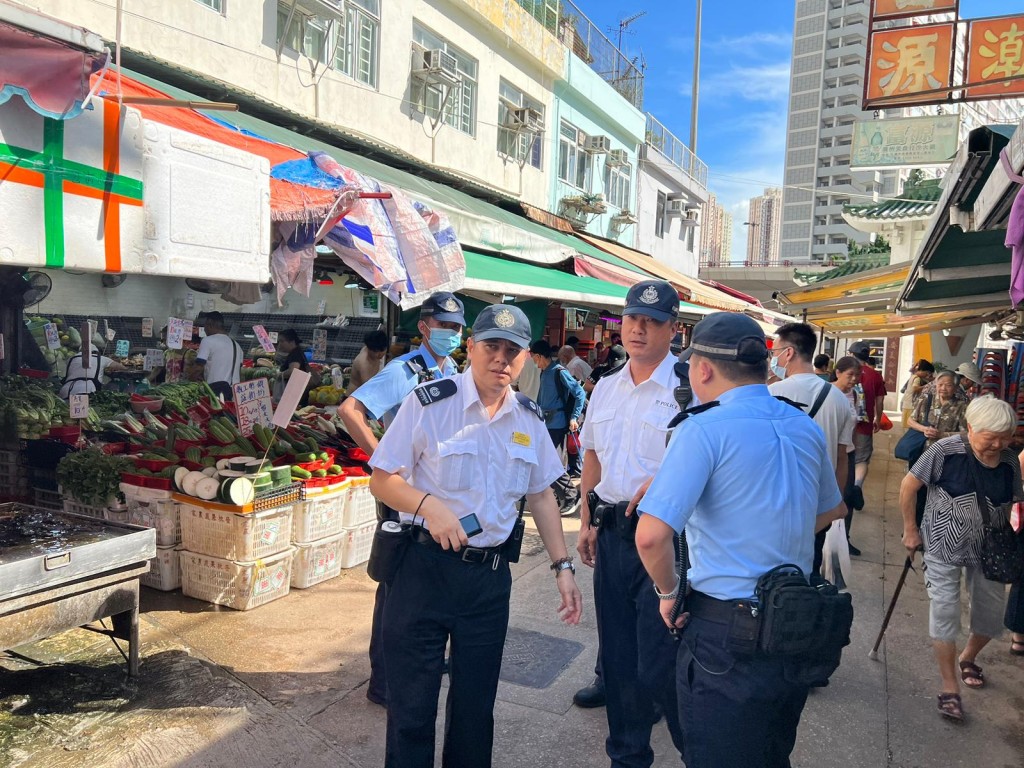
[[440, 324]]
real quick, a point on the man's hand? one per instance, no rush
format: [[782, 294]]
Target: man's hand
[[571, 607], [912, 541], [443, 525], [635, 501], [877, 426], [666, 614], [586, 545]]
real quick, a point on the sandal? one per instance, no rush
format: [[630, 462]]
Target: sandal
[[950, 706], [1017, 647], [969, 671]]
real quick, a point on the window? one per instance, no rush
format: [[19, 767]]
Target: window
[[574, 165], [521, 146], [349, 43], [616, 185], [458, 101], [659, 214], [213, 5]]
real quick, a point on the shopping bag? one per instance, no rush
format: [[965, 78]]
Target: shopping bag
[[884, 423], [910, 446], [835, 556], [572, 443]]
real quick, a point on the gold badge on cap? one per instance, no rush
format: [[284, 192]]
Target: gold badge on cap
[[504, 319], [650, 295], [450, 305]]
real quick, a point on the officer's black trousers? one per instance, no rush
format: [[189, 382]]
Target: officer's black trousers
[[377, 688], [434, 597], [737, 711], [638, 655]]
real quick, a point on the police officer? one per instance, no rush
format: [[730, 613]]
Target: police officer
[[749, 477], [624, 437], [440, 324], [463, 447]]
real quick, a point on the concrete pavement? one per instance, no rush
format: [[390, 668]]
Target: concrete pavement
[[284, 685]]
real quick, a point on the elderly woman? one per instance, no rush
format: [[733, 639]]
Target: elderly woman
[[952, 536], [940, 414]]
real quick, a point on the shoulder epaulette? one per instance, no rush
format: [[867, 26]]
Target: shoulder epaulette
[[432, 391], [794, 403], [682, 416], [529, 405]]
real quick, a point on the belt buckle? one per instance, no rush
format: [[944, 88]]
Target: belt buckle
[[473, 555]]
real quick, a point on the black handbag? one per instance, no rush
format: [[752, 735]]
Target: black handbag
[[910, 447], [1002, 548]]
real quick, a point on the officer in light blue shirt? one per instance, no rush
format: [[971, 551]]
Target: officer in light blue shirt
[[440, 324], [750, 480]]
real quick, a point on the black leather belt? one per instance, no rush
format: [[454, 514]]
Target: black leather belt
[[712, 609], [476, 555]]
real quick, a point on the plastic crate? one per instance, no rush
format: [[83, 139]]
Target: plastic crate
[[355, 545], [238, 585], [74, 507], [14, 479], [235, 537], [164, 570], [319, 516], [362, 506], [317, 561], [47, 499], [154, 509]]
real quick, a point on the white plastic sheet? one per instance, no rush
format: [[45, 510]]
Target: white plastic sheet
[[835, 561]]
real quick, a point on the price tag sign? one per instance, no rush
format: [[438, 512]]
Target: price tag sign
[[154, 359], [293, 392], [122, 349], [176, 332], [321, 308], [252, 404], [190, 300], [79, 405], [87, 331], [273, 337], [264, 338], [52, 336], [320, 344], [111, 333], [147, 327]]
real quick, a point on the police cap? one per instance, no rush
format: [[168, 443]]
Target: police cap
[[654, 298], [502, 321], [443, 307], [728, 336]]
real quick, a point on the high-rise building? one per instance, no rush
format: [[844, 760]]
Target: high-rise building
[[764, 217], [715, 234]]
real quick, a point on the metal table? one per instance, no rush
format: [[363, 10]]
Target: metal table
[[60, 571]]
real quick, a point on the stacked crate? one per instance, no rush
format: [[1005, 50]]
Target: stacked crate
[[318, 534], [157, 509], [358, 523], [14, 482]]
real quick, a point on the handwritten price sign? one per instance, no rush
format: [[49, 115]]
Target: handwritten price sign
[[252, 404], [147, 327], [320, 344], [264, 338], [176, 332], [52, 337], [154, 359], [79, 406], [122, 349]]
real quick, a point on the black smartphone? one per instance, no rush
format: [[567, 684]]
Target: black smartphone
[[470, 524]]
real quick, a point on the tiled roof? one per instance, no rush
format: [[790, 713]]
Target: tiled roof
[[861, 263], [914, 202]]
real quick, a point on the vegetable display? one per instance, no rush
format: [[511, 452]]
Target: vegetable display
[[91, 476]]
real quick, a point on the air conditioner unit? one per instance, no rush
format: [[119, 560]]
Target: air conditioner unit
[[598, 145], [581, 139], [677, 207], [625, 217], [434, 65], [525, 119], [617, 158], [690, 217]]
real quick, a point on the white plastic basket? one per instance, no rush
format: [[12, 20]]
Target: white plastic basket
[[47, 499], [14, 480], [154, 509], [317, 561], [319, 516], [164, 570], [73, 507], [361, 507], [238, 585], [355, 544], [235, 537]]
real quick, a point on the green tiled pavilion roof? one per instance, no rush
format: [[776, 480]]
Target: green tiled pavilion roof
[[859, 263], [916, 201]]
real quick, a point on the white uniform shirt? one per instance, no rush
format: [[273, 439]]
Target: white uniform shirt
[[451, 450], [627, 425], [218, 351], [835, 417]]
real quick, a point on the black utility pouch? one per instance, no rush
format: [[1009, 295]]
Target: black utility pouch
[[390, 542], [744, 629], [513, 545], [596, 510]]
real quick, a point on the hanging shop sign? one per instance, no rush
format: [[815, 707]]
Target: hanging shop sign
[[896, 9], [905, 142], [907, 65], [995, 51]]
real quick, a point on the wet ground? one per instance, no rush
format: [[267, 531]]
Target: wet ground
[[284, 685]]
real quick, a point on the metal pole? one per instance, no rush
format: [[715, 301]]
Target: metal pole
[[695, 94]]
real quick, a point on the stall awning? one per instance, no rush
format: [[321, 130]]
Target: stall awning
[[698, 293], [498, 277]]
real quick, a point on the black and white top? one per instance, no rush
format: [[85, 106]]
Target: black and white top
[[953, 527]]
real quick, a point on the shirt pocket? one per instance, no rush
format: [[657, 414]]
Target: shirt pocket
[[603, 423], [522, 462], [458, 458], [654, 435]]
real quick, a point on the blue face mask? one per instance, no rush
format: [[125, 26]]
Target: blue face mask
[[777, 369], [443, 342]]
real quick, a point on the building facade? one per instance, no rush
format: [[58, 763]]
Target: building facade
[[715, 234], [764, 217]]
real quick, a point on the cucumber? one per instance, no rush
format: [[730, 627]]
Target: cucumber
[[334, 469], [319, 473], [301, 473]]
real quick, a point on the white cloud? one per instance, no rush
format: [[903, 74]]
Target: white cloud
[[761, 83], [745, 42]]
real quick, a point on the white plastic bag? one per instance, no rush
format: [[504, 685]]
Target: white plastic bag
[[835, 556]]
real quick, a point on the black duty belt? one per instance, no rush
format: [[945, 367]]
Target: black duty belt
[[712, 609], [606, 515], [476, 555]]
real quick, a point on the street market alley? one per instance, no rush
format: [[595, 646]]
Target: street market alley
[[284, 685]]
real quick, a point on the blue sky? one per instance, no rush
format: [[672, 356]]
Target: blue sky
[[744, 89]]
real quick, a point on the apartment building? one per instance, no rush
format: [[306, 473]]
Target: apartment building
[[764, 217], [715, 234]]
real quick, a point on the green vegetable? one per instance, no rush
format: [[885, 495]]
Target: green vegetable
[[92, 477]]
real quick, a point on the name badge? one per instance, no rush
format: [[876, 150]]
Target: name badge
[[521, 438]]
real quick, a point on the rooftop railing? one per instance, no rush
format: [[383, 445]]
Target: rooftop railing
[[663, 140]]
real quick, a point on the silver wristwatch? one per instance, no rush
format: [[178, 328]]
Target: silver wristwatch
[[564, 564]]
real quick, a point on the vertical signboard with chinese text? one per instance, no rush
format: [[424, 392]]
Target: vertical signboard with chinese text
[[995, 51], [909, 65]]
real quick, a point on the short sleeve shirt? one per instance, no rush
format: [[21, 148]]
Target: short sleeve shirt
[[835, 416], [874, 386], [452, 450], [223, 358], [384, 393]]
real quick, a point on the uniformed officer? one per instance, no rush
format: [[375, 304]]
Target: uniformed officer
[[749, 477], [441, 321], [463, 446], [624, 437]]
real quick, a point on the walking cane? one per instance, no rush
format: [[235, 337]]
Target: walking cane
[[907, 566]]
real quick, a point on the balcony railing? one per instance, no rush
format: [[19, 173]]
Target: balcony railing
[[544, 11], [592, 46], [663, 140]]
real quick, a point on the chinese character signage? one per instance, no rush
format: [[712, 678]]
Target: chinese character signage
[[895, 9], [264, 338], [905, 142], [320, 344], [252, 404], [79, 406], [995, 52], [907, 61]]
